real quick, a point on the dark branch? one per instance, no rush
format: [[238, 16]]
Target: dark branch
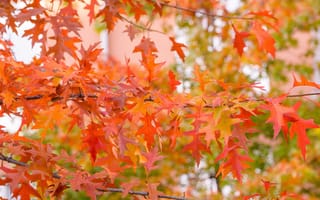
[[92, 96], [115, 190]]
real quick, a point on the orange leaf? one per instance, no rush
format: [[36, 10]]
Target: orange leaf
[[178, 48], [304, 82], [172, 81], [238, 42], [265, 40], [299, 127]]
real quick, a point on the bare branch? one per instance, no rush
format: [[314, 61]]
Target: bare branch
[[205, 13]]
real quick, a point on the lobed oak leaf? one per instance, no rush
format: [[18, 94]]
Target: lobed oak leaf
[[178, 48], [238, 41]]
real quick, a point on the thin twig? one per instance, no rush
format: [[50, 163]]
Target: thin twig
[[303, 95], [114, 190], [140, 26], [205, 13]]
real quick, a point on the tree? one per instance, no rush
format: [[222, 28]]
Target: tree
[[125, 131]]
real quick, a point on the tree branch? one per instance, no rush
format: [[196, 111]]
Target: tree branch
[[205, 13], [139, 26], [82, 96], [114, 190]]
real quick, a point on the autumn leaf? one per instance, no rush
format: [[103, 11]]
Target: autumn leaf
[[234, 162], [196, 146], [267, 184], [265, 40], [178, 48], [277, 113], [238, 41], [149, 129], [304, 82], [200, 77], [90, 6], [94, 139], [173, 83], [152, 190], [299, 127], [132, 31], [151, 158]]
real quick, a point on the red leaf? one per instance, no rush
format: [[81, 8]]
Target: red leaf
[[277, 113], [90, 6], [178, 48], [234, 161], [299, 127], [95, 140], [149, 129], [265, 40], [151, 158], [196, 146], [304, 82], [238, 42], [172, 81], [267, 184]]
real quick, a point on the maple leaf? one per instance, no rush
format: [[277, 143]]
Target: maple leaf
[[174, 132], [196, 146], [172, 81], [304, 82], [277, 113], [200, 77], [178, 48], [224, 122], [238, 42], [265, 40], [83, 181], [299, 127], [149, 129], [151, 158], [25, 191], [234, 161], [94, 138]]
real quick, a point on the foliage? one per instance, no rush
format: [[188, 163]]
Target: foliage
[[110, 130]]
